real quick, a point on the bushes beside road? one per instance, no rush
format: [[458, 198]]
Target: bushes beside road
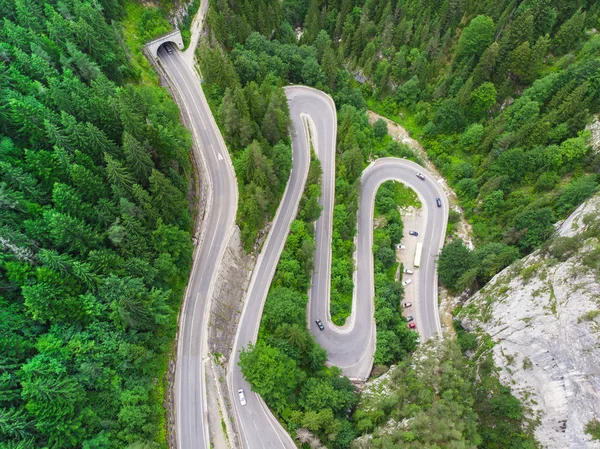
[[394, 340], [286, 367], [254, 119]]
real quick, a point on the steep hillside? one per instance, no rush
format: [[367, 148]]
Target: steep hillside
[[498, 93], [95, 246], [439, 398], [543, 314]]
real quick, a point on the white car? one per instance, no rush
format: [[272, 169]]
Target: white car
[[407, 271], [398, 246], [406, 282], [242, 397]]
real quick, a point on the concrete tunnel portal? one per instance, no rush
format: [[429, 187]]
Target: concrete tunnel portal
[[174, 37]]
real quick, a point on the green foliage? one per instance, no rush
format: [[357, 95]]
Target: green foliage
[[481, 100], [286, 367], [475, 38], [392, 195], [271, 373], [593, 428], [233, 22], [95, 229], [435, 402], [500, 416], [445, 390], [467, 341], [394, 339], [485, 88], [380, 129], [153, 24], [185, 28], [460, 268], [530, 228], [455, 259], [353, 149], [570, 32], [501, 420], [575, 193], [254, 119]]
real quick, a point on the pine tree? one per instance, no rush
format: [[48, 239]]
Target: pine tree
[[138, 158], [118, 175], [570, 32]]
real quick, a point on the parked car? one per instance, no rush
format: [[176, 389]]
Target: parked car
[[407, 271], [242, 397], [439, 202], [320, 324], [412, 325], [407, 304], [421, 176], [399, 246], [406, 282], [415, 233], [410, 318]]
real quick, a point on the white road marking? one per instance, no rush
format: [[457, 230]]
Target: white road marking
[[271, 265]]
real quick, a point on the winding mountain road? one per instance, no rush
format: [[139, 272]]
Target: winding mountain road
[[352, 346], [190, 398]]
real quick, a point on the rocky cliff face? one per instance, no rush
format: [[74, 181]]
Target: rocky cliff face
[[543, 314]]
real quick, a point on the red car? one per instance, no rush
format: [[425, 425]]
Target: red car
[[412, 325]]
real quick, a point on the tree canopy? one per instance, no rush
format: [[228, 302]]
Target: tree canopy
[[95, 244]]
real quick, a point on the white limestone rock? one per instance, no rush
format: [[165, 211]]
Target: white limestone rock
[[543, 314]]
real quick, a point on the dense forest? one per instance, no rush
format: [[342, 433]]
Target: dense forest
[[254, 118], [95, 224], [450, 401], [394, 339], [95, 245], [499, 94]]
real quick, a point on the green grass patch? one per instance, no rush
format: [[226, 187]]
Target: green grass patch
[[401, 116], [589, 316], [140, 25], [392, 194]]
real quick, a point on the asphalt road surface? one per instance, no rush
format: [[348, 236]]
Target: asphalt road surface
[[258, 428], [351, 347], [190, 397]]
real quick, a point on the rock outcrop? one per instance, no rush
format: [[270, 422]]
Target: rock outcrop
[[543, 314]]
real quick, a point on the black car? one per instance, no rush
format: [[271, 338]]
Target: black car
[[320, 324], [439, 202], [415, 233]]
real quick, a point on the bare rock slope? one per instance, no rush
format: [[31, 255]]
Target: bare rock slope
[[543, 314]]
